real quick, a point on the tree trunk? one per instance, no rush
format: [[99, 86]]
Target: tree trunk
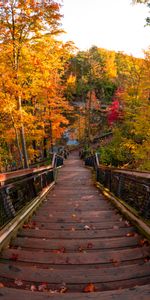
[[17, 141], [51, 136], [22, 136], [44, 147]]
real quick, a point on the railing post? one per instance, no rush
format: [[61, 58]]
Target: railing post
[[145, 210], [120, 185], [7, 203]]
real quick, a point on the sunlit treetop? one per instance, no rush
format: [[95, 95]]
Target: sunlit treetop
[[23, 19]]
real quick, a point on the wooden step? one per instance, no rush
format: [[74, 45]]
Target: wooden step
[[74, 244], [80, 234], [99, 275], [76, 258], [135, 293]]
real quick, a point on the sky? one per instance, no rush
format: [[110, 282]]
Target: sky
[[110, 24]]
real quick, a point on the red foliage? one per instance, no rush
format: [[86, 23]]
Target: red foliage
[[113, 112]]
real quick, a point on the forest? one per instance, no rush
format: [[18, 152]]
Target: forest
[[49, 88]]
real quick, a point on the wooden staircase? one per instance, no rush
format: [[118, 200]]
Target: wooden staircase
[[76, 247]]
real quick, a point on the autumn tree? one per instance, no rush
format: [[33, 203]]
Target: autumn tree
[[21, 23], [91, 78]]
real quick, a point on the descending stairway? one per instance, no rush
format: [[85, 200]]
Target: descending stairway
[[77, 247]]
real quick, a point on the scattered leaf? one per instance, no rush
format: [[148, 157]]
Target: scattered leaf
[[33, 288], [42, 287], [63, 289], [73, 229], [80, 249], [29, 225], [127, 223], [1, 285], [89, 288], [25, 226], [57, 251], [143, 242], [18, 282], [74, 215], [86, 227], [115, 262], [89, 246], [53, 291], [130, 234]]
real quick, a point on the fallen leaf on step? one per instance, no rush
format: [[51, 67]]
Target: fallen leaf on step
[[1, 285], [80, 249], [86, 227], [57, 251], [130, 234], [143, 242], [53, 291], [63, 289], [89, 288], [42, 287], [33, 288], [89, 246], [18, 282], [73, 229], [127, 223], [115, 262]]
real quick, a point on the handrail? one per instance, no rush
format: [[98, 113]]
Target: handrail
[[133, 187], [17, 192]]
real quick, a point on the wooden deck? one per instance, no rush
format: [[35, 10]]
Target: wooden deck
[[76, 247]]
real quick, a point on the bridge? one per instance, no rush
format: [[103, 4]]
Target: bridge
[[78, 236]]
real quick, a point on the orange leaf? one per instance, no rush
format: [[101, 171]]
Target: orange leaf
[[80, 249], [129, 234], [57, 251], [115, 262], [89, 246], [1, 285], [143, 242], [89, 288], [63, 290]]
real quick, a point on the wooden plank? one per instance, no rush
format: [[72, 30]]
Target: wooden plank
[[57, 234], [107, 243], [83, 214], [77, 258], [73, 219], [78, 226], [135, 293], [74, 276]]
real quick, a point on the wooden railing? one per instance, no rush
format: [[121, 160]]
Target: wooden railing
[[18, 191], [133, 187]]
